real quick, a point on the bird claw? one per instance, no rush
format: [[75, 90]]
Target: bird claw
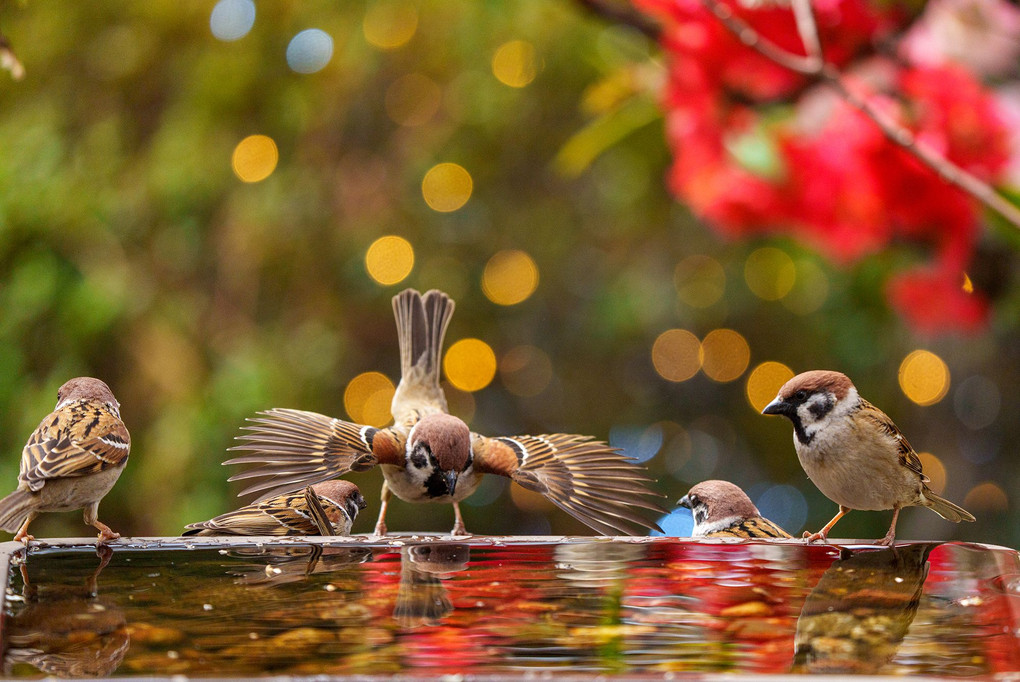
[[107, 535], [380, 529], [887, 541], [811, 537], [24, 539]]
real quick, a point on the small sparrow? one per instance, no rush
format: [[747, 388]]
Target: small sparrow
[[429, 455], [327, 508], [71, 460], [723, 510], [853, 452]]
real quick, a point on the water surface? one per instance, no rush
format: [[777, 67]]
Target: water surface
[[651, 607]]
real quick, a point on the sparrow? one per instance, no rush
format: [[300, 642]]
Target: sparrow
[[327, 508], [723, 510], [71, 460], [429, 455], [853, 452]]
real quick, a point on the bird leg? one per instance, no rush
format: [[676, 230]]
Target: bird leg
[[458, 524], [91, 514], [823, 534], [887, 541], [23, 535], [384, 499]]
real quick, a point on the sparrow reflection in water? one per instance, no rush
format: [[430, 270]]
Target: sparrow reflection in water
[[855, 618], [64, 630], [422, 599], [283, 565]]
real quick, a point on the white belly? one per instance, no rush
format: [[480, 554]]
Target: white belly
[[401, 482]]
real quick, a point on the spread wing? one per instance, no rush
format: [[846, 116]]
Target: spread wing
[[294, 449], [907, 454], [81, 439], [588, 479], [286, 514]]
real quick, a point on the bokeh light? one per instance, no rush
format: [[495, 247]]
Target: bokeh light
[[412, 100], [232, 19], [770, 273], [309, 51], [255, 158], [389, 259], [510, 277], [367, 399], [784, 505], [924, 377], [515, 63], [810, 289], [987, 497], [446, 187], [459, 403], [679, 523], [700, 281], [676, 355], [934, 469], [725, 355], [764, 382], [525, 371], [640, 443], [470, 364], [390, 24], [530, 501], [977, 402]]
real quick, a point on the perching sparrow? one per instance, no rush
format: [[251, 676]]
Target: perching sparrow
[[723, 510], [853, 452], [431, 456], [71, 460], [327, 508]]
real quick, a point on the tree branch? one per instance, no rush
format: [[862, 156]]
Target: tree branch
[[619, 14], [815, 67]]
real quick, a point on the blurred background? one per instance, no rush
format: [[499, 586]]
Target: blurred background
[[209, 205]]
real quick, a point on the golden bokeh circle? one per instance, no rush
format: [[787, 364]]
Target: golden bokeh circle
[[390, 24], [764, 382], [515, 63], [389, 259], [770, 273], [510, 277], [676, 355], [725, 355], [255, 158], [446, 187], [367, 399], [924, 377], [988, 497], [470, 364], [934, 469]]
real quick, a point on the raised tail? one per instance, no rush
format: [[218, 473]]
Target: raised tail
[[945, 508], [421, 326], [14, 509]]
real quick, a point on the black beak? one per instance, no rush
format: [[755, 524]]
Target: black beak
[[778, 406], [360, 501], [685, 501], [451, 481]]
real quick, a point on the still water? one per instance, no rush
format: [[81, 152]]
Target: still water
[[650, 608]]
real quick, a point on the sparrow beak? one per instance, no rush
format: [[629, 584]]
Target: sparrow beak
[[451, 481], [685, 501], [777, 406]]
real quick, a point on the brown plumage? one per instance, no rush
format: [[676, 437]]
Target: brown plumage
[[71, 460], [429, 455], [327, 508], [722, 509]]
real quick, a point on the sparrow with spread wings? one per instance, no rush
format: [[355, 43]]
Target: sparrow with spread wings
[[428, 455]]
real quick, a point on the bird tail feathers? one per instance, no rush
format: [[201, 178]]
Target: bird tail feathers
[[945, 508], [421, 326], [14, 509]]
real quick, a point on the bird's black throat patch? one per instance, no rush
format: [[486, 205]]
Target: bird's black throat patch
[[435, 485]]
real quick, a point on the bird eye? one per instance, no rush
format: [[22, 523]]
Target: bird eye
[[800, 395]]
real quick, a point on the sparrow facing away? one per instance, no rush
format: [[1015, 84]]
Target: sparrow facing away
[[429, 455], [327, 508], [723, 510], [853, 452], [71, 460]]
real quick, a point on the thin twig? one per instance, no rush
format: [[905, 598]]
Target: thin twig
[[619, 14], [807, 27], [824, 72]]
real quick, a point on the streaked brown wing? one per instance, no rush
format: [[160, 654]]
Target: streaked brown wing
[[285, 514], [318, 514], [83, 438], [295, 449], [881, 421], [755, 527], [588, 479]]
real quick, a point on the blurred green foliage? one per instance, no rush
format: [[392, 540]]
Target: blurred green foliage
[[130, 251]]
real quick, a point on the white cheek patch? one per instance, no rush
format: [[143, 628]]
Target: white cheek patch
[[720, 524]]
